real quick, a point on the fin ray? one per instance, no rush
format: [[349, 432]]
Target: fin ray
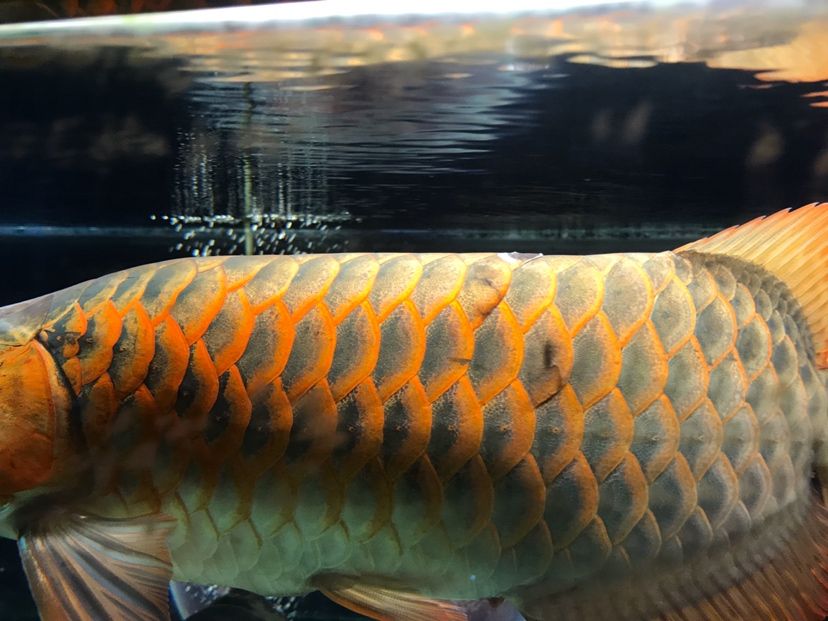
[[792, 245], [385, 604], [84, 568]]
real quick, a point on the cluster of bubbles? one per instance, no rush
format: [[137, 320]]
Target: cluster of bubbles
[[256, 233], [288, 607], [210, 602]]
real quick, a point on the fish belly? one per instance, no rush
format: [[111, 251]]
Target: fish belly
[[459, 426]]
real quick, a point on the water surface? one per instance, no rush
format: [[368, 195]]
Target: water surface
[[332, 126]]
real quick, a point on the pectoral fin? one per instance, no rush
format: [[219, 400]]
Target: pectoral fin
[[85, 568], [386, 604]]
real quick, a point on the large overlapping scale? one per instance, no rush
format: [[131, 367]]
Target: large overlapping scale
[[468, 424]]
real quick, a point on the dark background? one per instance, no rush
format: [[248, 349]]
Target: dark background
[[94, 144], [92, 148]]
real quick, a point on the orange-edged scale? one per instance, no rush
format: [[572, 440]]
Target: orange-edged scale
[[628, 436]]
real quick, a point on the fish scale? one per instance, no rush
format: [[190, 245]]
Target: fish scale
[[468, 424]]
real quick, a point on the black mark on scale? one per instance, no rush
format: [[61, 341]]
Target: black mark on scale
[[548, 354]]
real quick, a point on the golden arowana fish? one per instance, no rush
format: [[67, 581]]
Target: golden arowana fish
[[624, 436]]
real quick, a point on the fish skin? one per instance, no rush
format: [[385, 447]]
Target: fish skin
[[460, 426]]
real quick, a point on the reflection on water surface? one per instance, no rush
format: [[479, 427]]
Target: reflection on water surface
[[328, 126], [302, 126]]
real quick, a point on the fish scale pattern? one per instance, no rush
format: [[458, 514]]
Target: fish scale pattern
[[470, 424]]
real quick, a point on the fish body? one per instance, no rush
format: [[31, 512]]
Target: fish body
[[403, 430]]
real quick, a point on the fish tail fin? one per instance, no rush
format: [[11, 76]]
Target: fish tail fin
[[780, 569], [793, 246]]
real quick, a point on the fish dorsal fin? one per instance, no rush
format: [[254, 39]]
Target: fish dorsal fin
[[385, 604], [778, 572], [86, 568], [793, 246]]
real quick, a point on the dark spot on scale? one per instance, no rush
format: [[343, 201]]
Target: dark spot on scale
[[349, 426], [219, 417], [258, 431], [190, 384], [548, 354], [396, 427], [75, 417], [309, 413]]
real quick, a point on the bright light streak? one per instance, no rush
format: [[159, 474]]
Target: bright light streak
[[334, 11]]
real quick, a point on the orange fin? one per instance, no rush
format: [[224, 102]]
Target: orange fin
[[779, 571], [384, 604], [792, 245], [86, 568]]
